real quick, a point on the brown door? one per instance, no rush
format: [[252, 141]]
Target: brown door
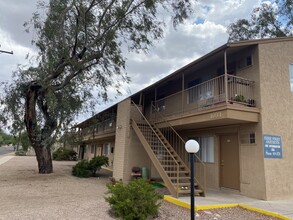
[[229, 162]]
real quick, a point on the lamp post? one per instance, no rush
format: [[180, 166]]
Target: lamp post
[[192, 147]]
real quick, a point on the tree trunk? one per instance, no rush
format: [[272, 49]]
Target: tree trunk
[[36, 135], [44, 159]]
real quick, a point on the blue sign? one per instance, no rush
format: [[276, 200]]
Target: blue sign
[[272, 146]]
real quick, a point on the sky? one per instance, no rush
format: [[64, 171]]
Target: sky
[[203, 32]]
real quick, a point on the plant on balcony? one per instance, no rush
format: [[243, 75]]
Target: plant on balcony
[[240, 98]]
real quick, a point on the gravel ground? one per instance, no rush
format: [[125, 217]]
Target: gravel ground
[[25, 194]]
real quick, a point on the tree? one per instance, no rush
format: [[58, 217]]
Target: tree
[[80, 45], [268, 20]]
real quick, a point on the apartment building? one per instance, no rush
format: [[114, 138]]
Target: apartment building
[[236, 101]]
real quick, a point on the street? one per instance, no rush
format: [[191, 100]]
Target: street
[[6, 149]]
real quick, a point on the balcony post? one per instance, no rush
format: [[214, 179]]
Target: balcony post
[[226, 77]]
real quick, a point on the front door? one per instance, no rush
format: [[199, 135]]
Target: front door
[[229, 162]]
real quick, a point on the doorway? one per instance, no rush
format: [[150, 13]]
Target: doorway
[[229, 162]]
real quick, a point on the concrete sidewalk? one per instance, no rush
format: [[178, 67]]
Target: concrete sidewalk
[[225, 197], [4, 158]]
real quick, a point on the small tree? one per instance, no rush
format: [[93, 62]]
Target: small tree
[[135, 201]]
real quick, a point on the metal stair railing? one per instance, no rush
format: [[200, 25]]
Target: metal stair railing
[[167, 161], [178, 144]]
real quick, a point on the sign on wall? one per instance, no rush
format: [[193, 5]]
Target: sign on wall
[[272, 146]]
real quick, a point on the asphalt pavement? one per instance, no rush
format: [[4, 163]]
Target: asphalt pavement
[[6, 150]]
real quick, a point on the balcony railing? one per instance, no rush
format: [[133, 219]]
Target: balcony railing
[[104, 127], [208, 94]]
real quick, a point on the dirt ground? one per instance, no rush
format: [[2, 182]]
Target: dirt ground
[[25, 194]]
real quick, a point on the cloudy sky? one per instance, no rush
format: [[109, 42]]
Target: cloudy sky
[[203, 32]]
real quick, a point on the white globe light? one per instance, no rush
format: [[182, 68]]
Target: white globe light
[[192, 146]]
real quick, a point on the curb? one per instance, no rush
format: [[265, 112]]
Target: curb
[[198, 208]]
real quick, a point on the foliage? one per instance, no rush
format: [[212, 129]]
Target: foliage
[[97, 162], [86, 168], [63, 154], [136, 200], [24, 140], [240, 98], [20, 153], [6, 139], [81, 169], [271, 19], [80, 45]]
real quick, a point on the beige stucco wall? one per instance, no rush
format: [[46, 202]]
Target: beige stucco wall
[[129, 151], [276, 115], [252, 181]]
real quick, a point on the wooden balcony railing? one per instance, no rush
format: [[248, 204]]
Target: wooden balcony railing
[[208, 94]]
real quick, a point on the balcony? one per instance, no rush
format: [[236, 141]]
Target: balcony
[[210, 102], [99, 130]]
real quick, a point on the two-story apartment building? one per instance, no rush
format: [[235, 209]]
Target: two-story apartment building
[[236, 101]]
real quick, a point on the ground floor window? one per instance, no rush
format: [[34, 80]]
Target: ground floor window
[[207, 148], [106, 149]]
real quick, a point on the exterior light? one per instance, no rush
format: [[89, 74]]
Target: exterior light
[[192, 147]]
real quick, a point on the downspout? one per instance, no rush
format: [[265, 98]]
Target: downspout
[[226, 76]]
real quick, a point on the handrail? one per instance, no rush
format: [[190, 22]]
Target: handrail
[[154, 132], [183, 142]]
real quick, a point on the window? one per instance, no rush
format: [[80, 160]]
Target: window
[[199, 92], [291, 76], [106, 149], [207, 150], [244, 62], [247, 138]]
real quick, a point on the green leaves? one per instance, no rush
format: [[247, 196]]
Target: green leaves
[[267, 20], [136, 200], [80, 58]]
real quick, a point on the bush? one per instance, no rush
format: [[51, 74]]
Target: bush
[[136, 200], [63, 154], [81, 169], [20, 153], [86, 168], [97, 162]]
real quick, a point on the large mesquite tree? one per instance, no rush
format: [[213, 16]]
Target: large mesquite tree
[[79, 45]]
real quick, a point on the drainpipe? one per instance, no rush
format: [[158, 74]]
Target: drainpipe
[[226, 77]]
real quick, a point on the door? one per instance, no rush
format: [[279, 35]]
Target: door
[[229, 162]]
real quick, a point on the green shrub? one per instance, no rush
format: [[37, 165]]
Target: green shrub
[[136, 200], [97, 162], [63, 154], [86, 168], [81, 169], [20, 153]]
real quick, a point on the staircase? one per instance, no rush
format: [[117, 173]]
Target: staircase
[[172, 169]]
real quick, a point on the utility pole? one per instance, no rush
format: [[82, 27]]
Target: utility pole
[[3, 51]]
